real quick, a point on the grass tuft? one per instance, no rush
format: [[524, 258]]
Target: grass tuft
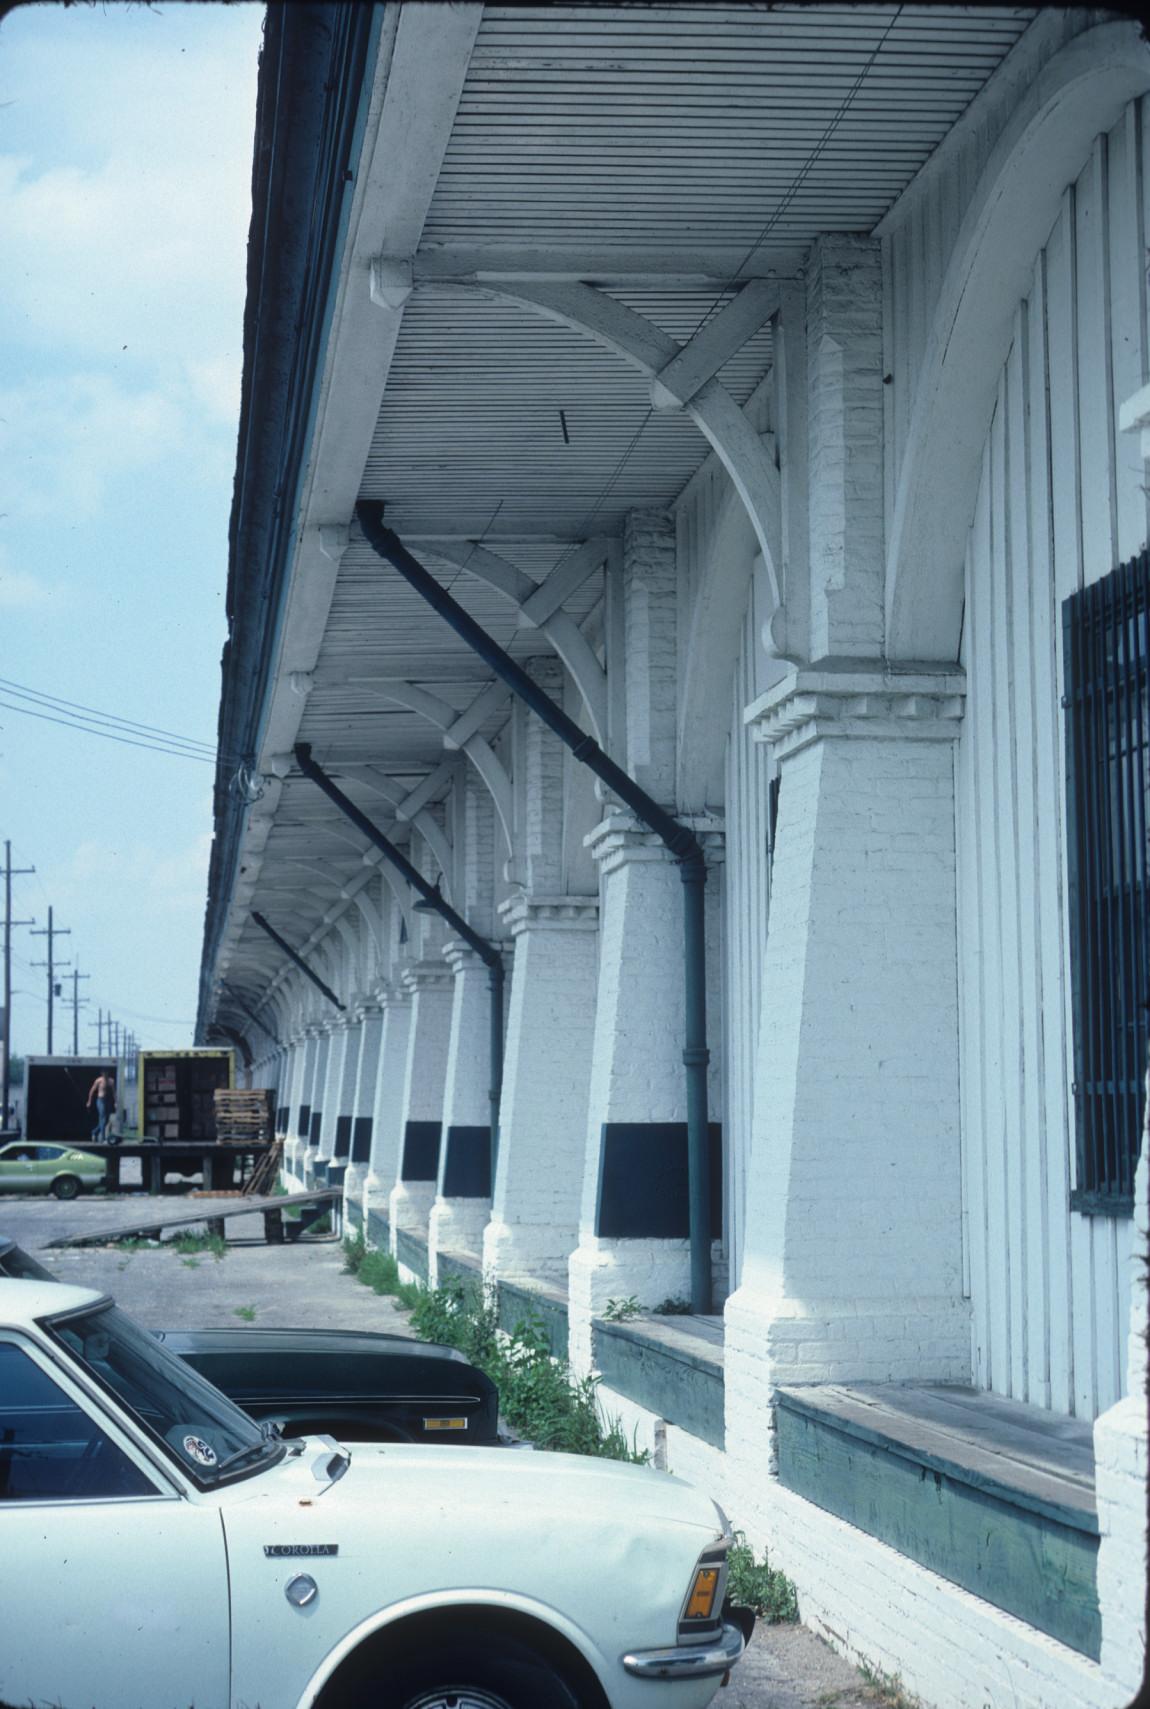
[[537, 1395], [758, 1585]]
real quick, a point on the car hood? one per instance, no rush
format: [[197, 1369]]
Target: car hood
[[482, 1483]]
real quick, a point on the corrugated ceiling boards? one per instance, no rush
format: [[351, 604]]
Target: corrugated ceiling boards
[[599, 144]]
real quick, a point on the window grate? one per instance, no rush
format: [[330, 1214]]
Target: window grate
[[1106, 635]]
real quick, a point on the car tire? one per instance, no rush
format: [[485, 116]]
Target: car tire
[[472, 1675], [65, 1187]]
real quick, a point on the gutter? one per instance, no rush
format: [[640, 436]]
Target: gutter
[[310, 116]]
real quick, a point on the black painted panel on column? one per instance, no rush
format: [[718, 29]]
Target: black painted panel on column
[[361, 1139], [303, 1127], [342, 1136], [420, 1151], [467, 1165], [643, 1181], [316, 1122]]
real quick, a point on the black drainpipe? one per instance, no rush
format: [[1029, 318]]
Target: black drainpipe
[[681, 842], [486, 951], [298, 959]]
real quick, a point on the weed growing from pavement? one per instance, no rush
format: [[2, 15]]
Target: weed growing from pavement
[[888, 1688], [537, 1395], [618, 1311], [190, 1245], [247, 1312], [758, 1585]]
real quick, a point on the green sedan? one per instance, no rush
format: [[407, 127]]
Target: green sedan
[[57, 1169]]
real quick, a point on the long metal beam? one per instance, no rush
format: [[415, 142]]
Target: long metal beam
[[298, 959], [679, 839], [487, 952]]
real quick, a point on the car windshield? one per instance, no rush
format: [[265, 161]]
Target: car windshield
[[209, 1437], [17, 1264]]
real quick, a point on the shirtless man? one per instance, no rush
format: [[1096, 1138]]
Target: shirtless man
[[103, 1089]]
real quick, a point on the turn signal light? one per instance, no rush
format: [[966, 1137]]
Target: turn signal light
[[701, 1602], [445, 1424]]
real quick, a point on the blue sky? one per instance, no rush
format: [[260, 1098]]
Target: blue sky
[[125, 167]]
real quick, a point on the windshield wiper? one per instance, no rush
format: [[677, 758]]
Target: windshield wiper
[[270, 1435]]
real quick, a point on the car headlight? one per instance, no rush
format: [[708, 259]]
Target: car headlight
[[702, 1611]]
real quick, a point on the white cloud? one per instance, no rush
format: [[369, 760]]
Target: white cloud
[[158, 879], [20, 591], [62, 441]]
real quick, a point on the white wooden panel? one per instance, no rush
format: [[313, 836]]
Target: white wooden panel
[[747, 885], [1056, 508]]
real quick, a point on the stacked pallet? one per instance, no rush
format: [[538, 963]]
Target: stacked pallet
[[244, 1118]]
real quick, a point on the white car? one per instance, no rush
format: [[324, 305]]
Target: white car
[[163, 1550]]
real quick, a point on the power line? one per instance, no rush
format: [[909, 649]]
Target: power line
[[56, 701], [127, 741]]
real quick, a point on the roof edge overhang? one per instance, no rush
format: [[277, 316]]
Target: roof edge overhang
[[311, 109]]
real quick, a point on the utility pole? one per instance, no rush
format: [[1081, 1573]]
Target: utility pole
[[51, 932], [10, 873], [98, 1023], [76, 978]]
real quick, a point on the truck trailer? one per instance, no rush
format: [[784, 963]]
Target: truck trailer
[[177, 1093], [56, 1096]]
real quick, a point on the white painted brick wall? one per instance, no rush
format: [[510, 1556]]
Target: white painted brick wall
[[845, 430], [387, 1113], [547, 1069], [650, 613], [949, 1648], [363, 1098], [457, 1225], [637, 1065], [410, 1202], [1120, 1472]]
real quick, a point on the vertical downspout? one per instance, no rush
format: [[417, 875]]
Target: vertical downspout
[[681, 842], [485, 950]]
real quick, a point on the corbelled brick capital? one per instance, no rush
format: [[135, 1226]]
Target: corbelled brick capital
[[622, 837], [550, 913], [855, 698], [426, 976]]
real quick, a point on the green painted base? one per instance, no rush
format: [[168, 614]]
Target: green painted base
[[519, 1303], [680, 1383], [411, 1251], [995, 1543]]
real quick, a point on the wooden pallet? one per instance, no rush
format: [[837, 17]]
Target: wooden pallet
[[244, 1117]]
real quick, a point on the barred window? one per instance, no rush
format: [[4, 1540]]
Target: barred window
[[1106, 635]]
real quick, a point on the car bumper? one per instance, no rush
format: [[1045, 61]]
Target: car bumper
[[689, 1661]]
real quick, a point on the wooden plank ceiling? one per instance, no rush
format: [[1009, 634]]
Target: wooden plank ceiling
[[735, 133]]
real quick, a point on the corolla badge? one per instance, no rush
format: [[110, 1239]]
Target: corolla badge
[[200, 1451]]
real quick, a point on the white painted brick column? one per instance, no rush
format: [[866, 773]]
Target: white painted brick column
[[430, 984], [318, 1086], [1121, 1467], [546, 1078], [387, 1110], [845, 430], [333, 1089], [457, 1220], [363, 1100], [297, 1080], [853, 1263], [637, 1074]]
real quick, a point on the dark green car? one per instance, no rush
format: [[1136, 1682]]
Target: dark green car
[[59, 1169]]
